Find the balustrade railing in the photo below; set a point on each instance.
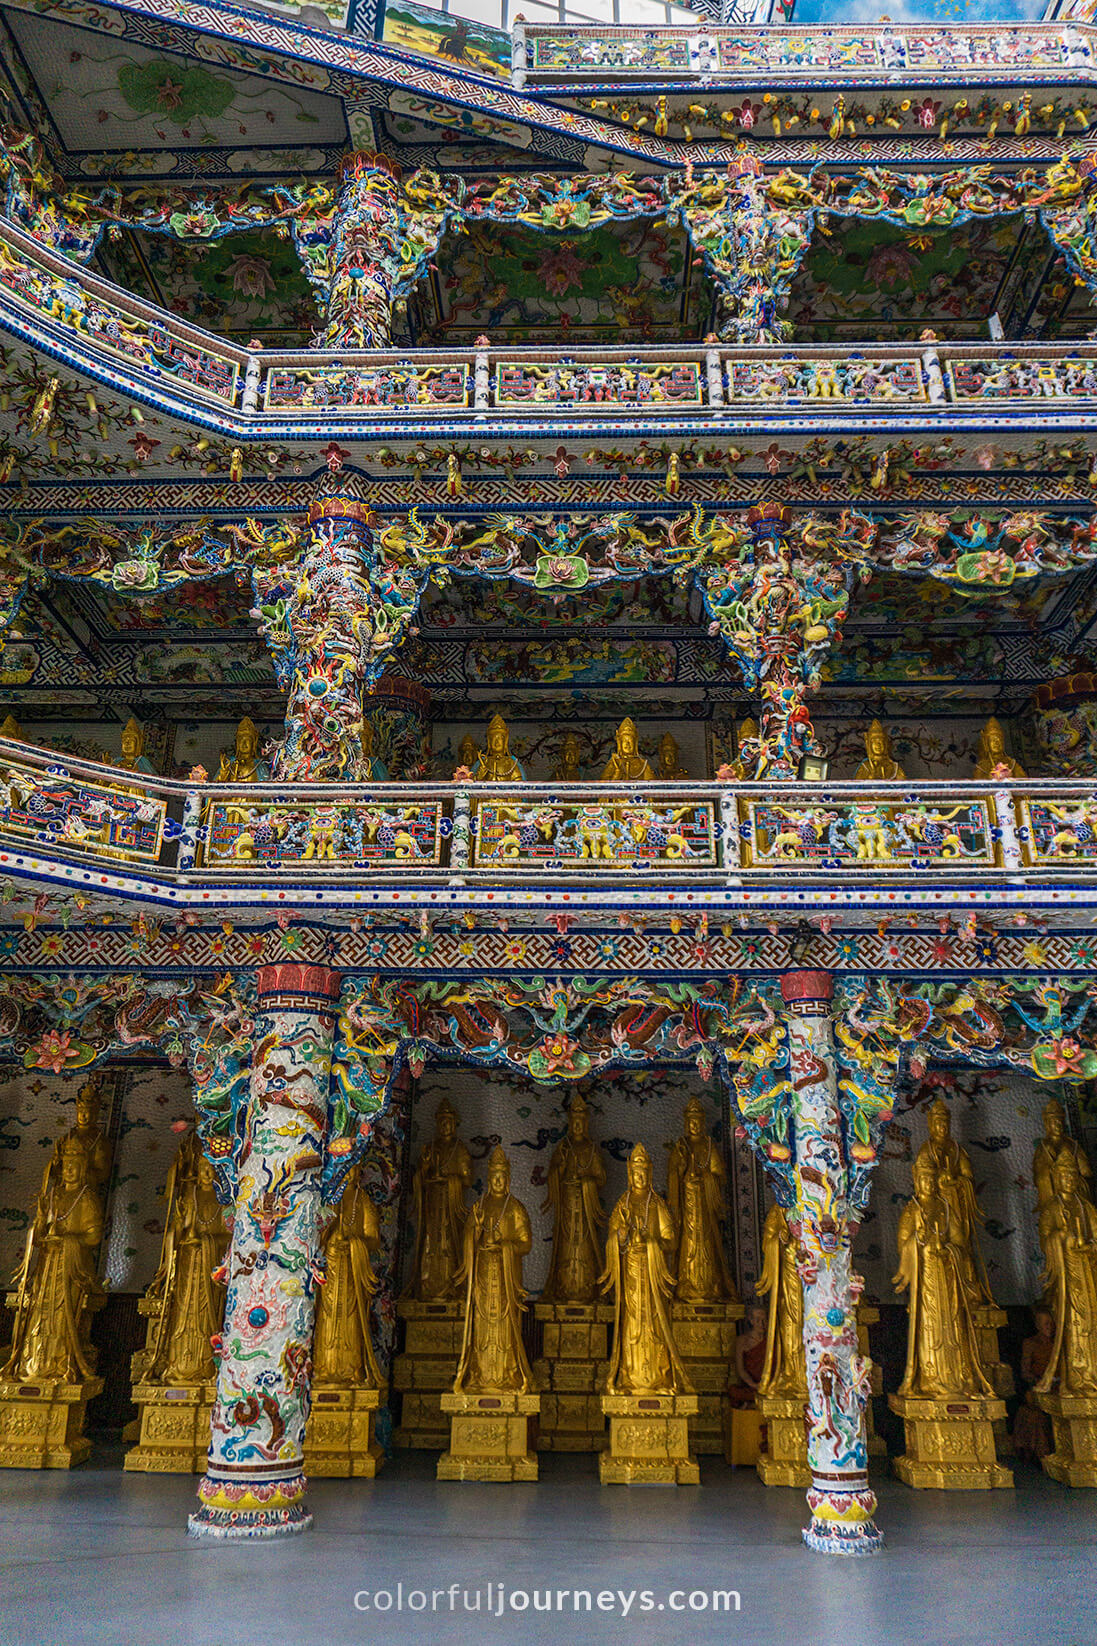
(82, 812)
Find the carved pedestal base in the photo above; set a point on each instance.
(339, 1437)
(426, 1370)
(489, 1437)
(174, 1428)
(949, 1443)
(868, 1315)
(784, 1461)
(705, 1336)
(648, 1441)
(570, 1374)
(42, 1424)
(1074, 1425)
(988, 1319)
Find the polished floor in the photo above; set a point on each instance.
(98, 1556)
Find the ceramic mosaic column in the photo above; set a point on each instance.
(254, 1485)
(365, 257)
(841, 1502)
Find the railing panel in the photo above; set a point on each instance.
(516, 834)
(405, 385)
(1057, 833)
(877, 832)
(53, 809)
(626, 384)
(348, 834)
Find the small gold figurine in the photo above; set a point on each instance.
(639, 1242)
(1054, 1146)
(568, 766)
(626, 764)
(469, 753)
(747, 751)
(879, 765)
(133, 757)
(342, 1345)
(496, 764)
(442, 1178)
(670, 769)
(244, 766)
(497, 1238)
(12, 730)
(696, 1177)
(576, 1178)
(992, 754)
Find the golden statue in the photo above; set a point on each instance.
(1054, 1146)
(469, 753)
(784, 1370)
(567, 768)
(342, 1345)
(374, 769)
(244, 767)
(496, 764)
(880, 765)
(626, 764)
(57, 1287)
(12, 730)
(696, 1176)
(90, 1135)
(576, 1178)
(133, 757)
(745, 764)
(954, 1182)
(992, 753)
(1068, 1235)
(442, 1176)
(669, 767)
(497, 1238)
(192, 1303)
(943, 1360)
(640, 1239)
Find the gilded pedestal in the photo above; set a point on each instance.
(42, 1424)
(173, 1428)
(1074, 1425)
(988, 1319)
(426, 1370)
(339, 1436)
(950, 1443)
(648, 1441)
(489, 1437)
(868, 1315)
(784, 1460)
(705, 1335)
(570, 1374)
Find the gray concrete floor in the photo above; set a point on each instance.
(99, 1556)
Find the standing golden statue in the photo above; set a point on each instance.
(346, 1380)
(954, 1182)
(496, 764)
(1067, 1391)
(670, 768)
(1053, 1147)
(568, 767)
(89, 1133)
(879, 764)
(493, 1396)
(244, 765)
(576, 1178)
(783, 1385)
(442, 1178)
(696, 1178)
(992, 754)
(946, 1398)
(133, 757)
(646, 1376)
(626, 764)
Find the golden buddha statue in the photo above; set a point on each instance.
(374, 769)
(497, 1238)
(879, 765)
(670, 769)
(133, 757)
(90, 1135)
(943, 1361)
(954, 1182)
(696, 1176)
(992, 754)
(469, 753)
(244, 767)
(442, 1177)
(745, 764)
(567, 767)
(192, 1303)
(1068, 1235)
(784, 1371)
(342, 1345)
(496, 764)
(576, 1178)
(1054, 1146)
(57, 1287)
(640, 1240)
(11, 729)
(626, 764)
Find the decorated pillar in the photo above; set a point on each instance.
(1065, 713)
(823, 1223)
(254, 1484)
(397, 712)
(365, 254)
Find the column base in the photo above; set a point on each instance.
(841, 1518)
(784, 1462)
(950, 1443)
(426, 1370)
(570, 1374)
(42, 1424)
(173, 1428)
(705, 1337)
(489, 1436)
(1074, 1425)
(339, 1438)
(648, 1441)
(235, 1510)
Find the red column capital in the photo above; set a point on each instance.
(802, 988)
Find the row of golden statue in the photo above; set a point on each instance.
(638, 1322)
